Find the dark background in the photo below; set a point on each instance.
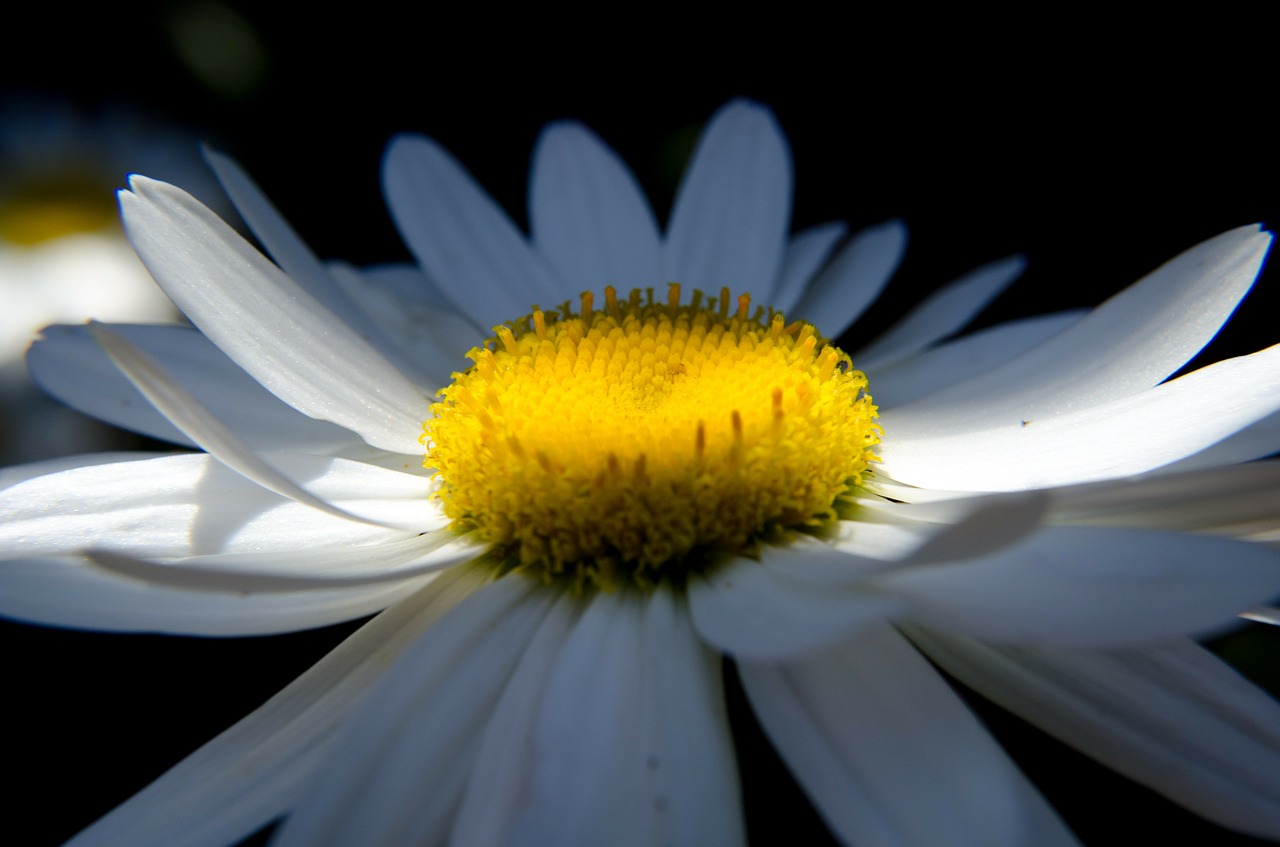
(1099, 148)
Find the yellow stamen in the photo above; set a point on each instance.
(636, 444)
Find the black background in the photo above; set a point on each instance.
(1099, 148)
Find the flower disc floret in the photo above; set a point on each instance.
(634, 443)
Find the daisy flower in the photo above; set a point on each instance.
(618, 488)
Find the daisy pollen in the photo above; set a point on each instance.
(634, 444)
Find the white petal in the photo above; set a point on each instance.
(266, 323)
(887, 752)
(978, 527)
(190, 504)
(498, 786)
(204, 428)
(942, 313)
(1084, 586)
(462, 239)
(748, 610)
(1122, 437)
(1128, 344)
(72, 593)
(316, 569)
(728, 226)
(257, 770)
(1192, 501)
(588, 216)
(1172, 717)
(853, 279)
(69, 364)
(432, 338)
(631, 743)
(397, 770)
(923, 374)
(284, 245)
(1261, 438)
(807, 251)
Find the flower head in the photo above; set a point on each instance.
(626, 484)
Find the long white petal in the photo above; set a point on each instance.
(461, 237)
(1128, 344)
(189, 504)
(746, 609)
(631, 743)
(853, 279)
(1170, 716)
(73, 593)
(887, 752)
(807, 251)
(205, 429)
(1208, 500)
(588, 216)
(1122, 437)
(956, 361)
(285, 246)
(431, 338)
(397, 770)
(942, 313)
(498, 785)
(266, 323)
(69, 364)
(729, 222)
(258, 769)
(1085, 586)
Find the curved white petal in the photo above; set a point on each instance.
(1210, 500)
(71, 592)
(284, 245)
(853, 279)
(1128, 344)
(258, 769)
(205, 429)
(462, 239)
(942, 313)
(1122, 437)
(69, 364)
(975, 527)
(1085, 586)
(1260, 438)
(190, 504)
(266, 323)
(1171, 716)
(748, 610)
(933, 370)
(430, 337)
(588, 216)
(728, 226)
(887, 752)
(316, 569)
(398, 768)
(807, 251)
(631, 743)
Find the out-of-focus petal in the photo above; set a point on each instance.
(729, 223)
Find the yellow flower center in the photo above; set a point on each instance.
(640, 442)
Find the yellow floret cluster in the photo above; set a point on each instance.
(634, 443)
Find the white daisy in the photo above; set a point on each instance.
(1046, 516)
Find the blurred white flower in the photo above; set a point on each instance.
(1048, 518)
(63, 254)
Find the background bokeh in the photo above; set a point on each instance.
(1097, 148)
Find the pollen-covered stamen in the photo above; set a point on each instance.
(631, 444)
